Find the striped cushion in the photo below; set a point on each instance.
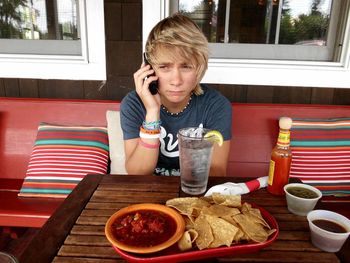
(321, 154)
(62, 156)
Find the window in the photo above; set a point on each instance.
(52, 39)
(270, 42)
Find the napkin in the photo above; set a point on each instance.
(239, 188)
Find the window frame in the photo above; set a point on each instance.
(263, 71)
(89, 65)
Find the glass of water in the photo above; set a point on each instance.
(195, 153)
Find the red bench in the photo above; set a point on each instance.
(19, 120)
(255, 128)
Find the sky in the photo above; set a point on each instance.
(304, 6)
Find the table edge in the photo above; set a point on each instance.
(45, 245)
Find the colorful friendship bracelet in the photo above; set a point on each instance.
(153, 125)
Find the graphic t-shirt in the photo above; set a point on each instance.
(210, 110)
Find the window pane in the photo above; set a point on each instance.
(39, 20)
(305, 22)
(261, 21)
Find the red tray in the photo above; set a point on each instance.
(173, 254)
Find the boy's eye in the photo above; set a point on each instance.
(187, 66)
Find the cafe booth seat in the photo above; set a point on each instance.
(254, 128)
(19, 122)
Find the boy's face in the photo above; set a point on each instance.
(177, 77)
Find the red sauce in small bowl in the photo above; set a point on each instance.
(143, 228)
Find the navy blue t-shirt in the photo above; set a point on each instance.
(210, 110)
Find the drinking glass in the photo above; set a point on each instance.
(195, 153)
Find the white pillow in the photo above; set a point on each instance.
(116, 143)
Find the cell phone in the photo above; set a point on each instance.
(153, 86)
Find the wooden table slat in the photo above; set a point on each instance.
(293, 235)
(88, 230)
(282, 257)
(139, 187)
(140, 197)
(108, 205)
(88, 251)
(87, 240)
(85, 260)
(91, 220)
(97, 213)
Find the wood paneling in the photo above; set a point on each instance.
(123, 27)
(61, 89)
(113, 21)
(119, 86)
(342, 96)
(95, 90)
(322, 96)
(11, 87)
(124, 57)
(132, 21)
(28, 88)
(2, 88)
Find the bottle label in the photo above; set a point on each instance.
(271, 172)
(283, 138)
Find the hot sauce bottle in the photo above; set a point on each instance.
(281, 157)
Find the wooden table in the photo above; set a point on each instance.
(75, 233)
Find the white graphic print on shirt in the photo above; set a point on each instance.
(168, 150)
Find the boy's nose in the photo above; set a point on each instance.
(176, 77)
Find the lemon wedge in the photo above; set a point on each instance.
(214, 136)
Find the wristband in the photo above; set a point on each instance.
(148, 145)
(149, 131)
(149, 136)
(153, 125)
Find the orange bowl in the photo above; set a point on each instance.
(131, 239)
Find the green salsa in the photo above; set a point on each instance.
(302, 192)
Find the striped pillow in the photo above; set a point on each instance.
(321, 154)
(62, 156)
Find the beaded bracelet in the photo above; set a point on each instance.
(148, 145)
(153, 125)
(149, 136)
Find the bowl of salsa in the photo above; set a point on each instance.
(301, 198)
(144, 228)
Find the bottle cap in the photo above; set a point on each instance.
(285, 123)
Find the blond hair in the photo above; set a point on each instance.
(180, 33)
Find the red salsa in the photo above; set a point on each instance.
(144, 228)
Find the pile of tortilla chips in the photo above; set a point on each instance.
(219, 220)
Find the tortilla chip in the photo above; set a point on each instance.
(223, 231)
(182, 204)
(254, 214)
(189, 236)
(205, 234)
(239, 236)
(189, 222)
(198, 206)
(255, 232)
(219, 220)
(189, 206)
(220, 211)
(228, 200)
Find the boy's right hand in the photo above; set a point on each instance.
(142, 79)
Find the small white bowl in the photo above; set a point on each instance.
(298, 205)
(326, 240)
